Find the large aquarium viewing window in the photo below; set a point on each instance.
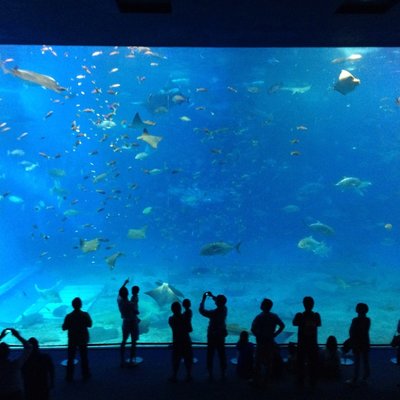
(248, 172)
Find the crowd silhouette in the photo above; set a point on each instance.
(31, 374)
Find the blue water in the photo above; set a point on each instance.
(239, 145)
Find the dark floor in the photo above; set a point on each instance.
(149, 380)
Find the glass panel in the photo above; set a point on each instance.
(248, 172)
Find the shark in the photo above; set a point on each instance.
(39, 79)
(51, 295)
(296, 90)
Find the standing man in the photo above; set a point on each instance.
(77, 323)
(308, 323)
(266, 327)
(216, 332)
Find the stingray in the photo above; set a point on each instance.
(51, 295)
(150, 139)
(284, 336)
(88, 246)
(164, 294)
(137, 122)
(346, 82)
(137, 233)
(39, 79)
(111, 260)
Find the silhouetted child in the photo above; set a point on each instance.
(330, 358)
(187, 313)
(38, 373)
(360, 344)
(181, 343)
(245, 359)
(135, 298)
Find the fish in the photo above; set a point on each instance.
(310, 244)
(60, 311)
(179, 99)
(141, 156)
(353, 183)
(150, 139)
(346, 82)
(39, 79)
(106, 124)
(291, 208)
(111, 260)
(321, 228)
(57, 172)
(137, 122)
(137, 233)
(71, 212)
(28, 165)
(16, 153)
(100, 177)
(219, 248)
(296, 90)
(164, 294)
(51, 295)
(15, 199)
(87, 246)
(352, 57)
(147, 210)
(274, 88)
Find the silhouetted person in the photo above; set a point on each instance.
(398, 347)
(330, 358)
(187, 313)
(135, 298)
(130, 321)
(245, 359)
(360, 344)
(38, 373)
(216, 332)
(265, 327)
(11, 384)
(77, 323)
(308, 323)
(181, 342)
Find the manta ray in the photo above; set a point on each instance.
(51, 295)
(346, 82)
(111, 260)
(137, 122)
(165, 294)
(150, 139)
(39, 79)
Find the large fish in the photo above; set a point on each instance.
(39, 79)
(346, 82)
(219, 248)
(351, 182)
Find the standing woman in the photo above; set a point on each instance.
(359, 337)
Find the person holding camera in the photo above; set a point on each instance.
(216, 332)
(11, 383)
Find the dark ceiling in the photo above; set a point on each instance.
(201, 22)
